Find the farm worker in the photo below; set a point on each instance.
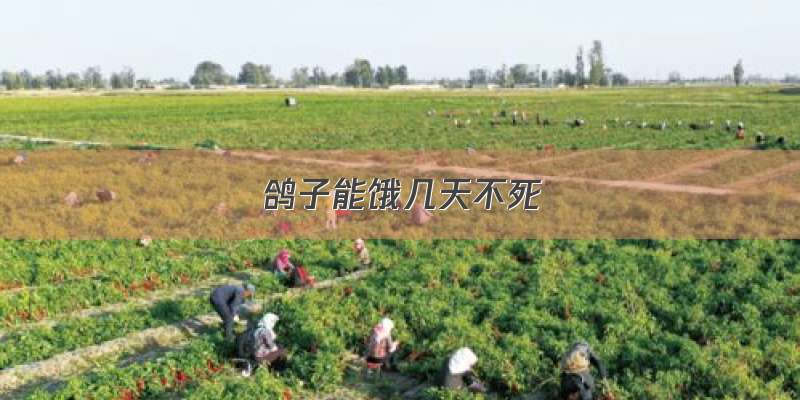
(226, 301)
(381, 349)
(265, 350)
(257, 345)
(576, 378)
(419, 215)
(360, 248)
(19, 159)
(740, 131)
(282, 265)
(330, 214)
(457, 372)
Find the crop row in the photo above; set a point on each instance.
(29, 344)
(684, 319)
(398, 121)
(64, 276)
(679, 319)
(200, 359)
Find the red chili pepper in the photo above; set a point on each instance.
(127, 394)
(180, 377)
(214, 368)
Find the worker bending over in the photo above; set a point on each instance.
(457, 372)
(226, 301)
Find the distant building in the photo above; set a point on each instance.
(417, 86)
(325, 87)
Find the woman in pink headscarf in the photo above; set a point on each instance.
(381, 349)
(282, 265)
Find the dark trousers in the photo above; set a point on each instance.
(388, 362)
(272, 356)
(580, 384)
(226, 314)
(275, 359)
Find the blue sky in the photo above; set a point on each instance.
(434, 38)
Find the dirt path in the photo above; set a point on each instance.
(652, 184)
(487, 172)
(22, 138)
(699, 167)
(376, 386)
(561, 157)
(754, 181)
(389, 385)
(78, 361)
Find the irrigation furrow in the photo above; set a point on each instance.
(50, 140)
(82, 360)
(154, 297)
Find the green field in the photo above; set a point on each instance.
(672, 319)
(385, 120)
(111, 319)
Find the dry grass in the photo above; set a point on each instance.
(178, 195)
(730, 171)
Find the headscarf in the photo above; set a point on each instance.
(359, 245)
(250, 288)
(462, 361)
(576, 362)
(577, 358)
(266, 325)
(383, 329)
(282, 261)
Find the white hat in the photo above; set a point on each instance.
(268, 321)
(462, 360)
(387, 324)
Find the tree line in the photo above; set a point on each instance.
(359, 74)
(590, 69)
(599, 73)
(90, 78)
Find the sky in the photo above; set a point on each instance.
(434, 38)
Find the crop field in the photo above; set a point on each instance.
(672, 319)
(380, 120)
(674, 256)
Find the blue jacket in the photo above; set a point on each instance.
(230, 295)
